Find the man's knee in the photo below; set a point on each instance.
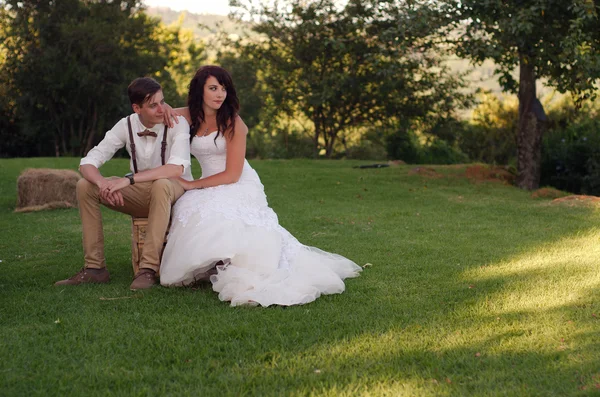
(161, 188)
(84, 186)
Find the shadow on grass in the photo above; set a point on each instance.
(463, 298)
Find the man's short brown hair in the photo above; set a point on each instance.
(142, 89)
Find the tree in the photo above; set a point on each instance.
(558, 40)
(345, 67)
(184, 54)
(69, 62)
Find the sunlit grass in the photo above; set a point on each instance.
(473, 289)
(550, 276)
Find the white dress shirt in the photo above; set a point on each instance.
(147, 148)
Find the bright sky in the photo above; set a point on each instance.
(220, 7)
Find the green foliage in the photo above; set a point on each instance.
(244, 70)
(283, 143)
(67, 65)
(571, 156)
(560, 38)
(366, 150)
(490, 136)
(184, 54)
(347, 67)
(442, 152)
(404, 145)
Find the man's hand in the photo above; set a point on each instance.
(115, 199)
(170, 115)
(114, 185)
(109, 191)
(102, 184)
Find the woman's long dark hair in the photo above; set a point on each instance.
(228, 111)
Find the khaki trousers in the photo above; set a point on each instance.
(152, 200)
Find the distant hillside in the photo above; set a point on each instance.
(203, 25)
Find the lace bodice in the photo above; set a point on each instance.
(212, 156)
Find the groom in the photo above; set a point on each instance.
(157, 153)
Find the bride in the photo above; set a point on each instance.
(224, 219)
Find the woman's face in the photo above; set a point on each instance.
(214, 94)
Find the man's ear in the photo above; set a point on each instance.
(136, 108)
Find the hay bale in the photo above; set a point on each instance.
(44, 188)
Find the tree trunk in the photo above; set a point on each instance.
(316, 139)
(530, 129)
(90, 134)
(56, 147)
(330, 143)
(317, 118)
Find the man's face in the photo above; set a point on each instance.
(152, 111)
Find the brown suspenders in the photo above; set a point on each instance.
(163, 146)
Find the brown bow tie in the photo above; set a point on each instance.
(147, 133)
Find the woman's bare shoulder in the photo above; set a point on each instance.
(240, 126)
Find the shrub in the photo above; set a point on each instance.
(571, 157)
(366, 150)
(490, 137)
(441, 152)
(403, 145)
(281, 145)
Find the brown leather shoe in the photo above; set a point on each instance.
(144, 279)
(203, 279)
(87, 276)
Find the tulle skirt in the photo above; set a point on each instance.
(260, 263)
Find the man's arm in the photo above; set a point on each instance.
(92, 174)
(114, 139)
(179, 158)
(162, 172)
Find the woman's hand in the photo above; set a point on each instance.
(170, 115)
(185, 184)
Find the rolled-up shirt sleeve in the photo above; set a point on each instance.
(180, 147)
(114, 140)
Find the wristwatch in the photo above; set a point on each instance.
(130, 177)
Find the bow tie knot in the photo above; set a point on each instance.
(147, 133)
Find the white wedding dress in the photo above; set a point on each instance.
(263, 263)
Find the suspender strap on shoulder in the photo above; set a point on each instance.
(163, 146)
(132, 145)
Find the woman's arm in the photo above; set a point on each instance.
(236, 154)
(171, 115)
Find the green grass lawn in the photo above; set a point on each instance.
(473, 289)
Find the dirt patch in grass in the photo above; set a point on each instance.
(482, 173)
(396, 163)
(548, 193)
(426, 172)
(577, 200)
